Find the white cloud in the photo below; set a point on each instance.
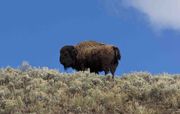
(162, 14)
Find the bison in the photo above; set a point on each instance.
(90, 54)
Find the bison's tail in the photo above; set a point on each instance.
(117, 53)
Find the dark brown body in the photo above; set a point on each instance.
(93, 55)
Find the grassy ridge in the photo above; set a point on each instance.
(45, 91)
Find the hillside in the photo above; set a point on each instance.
(29, 90)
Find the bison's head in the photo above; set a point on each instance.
(68, 56)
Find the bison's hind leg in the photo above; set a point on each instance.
(112, 70)
(106, 70)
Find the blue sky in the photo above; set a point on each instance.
(35, 30)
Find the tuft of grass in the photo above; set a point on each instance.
(30, 90)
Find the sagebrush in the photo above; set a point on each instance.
(47, 91)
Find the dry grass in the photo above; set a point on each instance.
(44, 91)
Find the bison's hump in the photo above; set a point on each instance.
(87, 44)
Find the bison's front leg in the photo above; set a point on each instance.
(106, 72)
(93, 71)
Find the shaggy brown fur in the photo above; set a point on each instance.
(100, 50)
(96, 56)
(87, 44)
(99, 58)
